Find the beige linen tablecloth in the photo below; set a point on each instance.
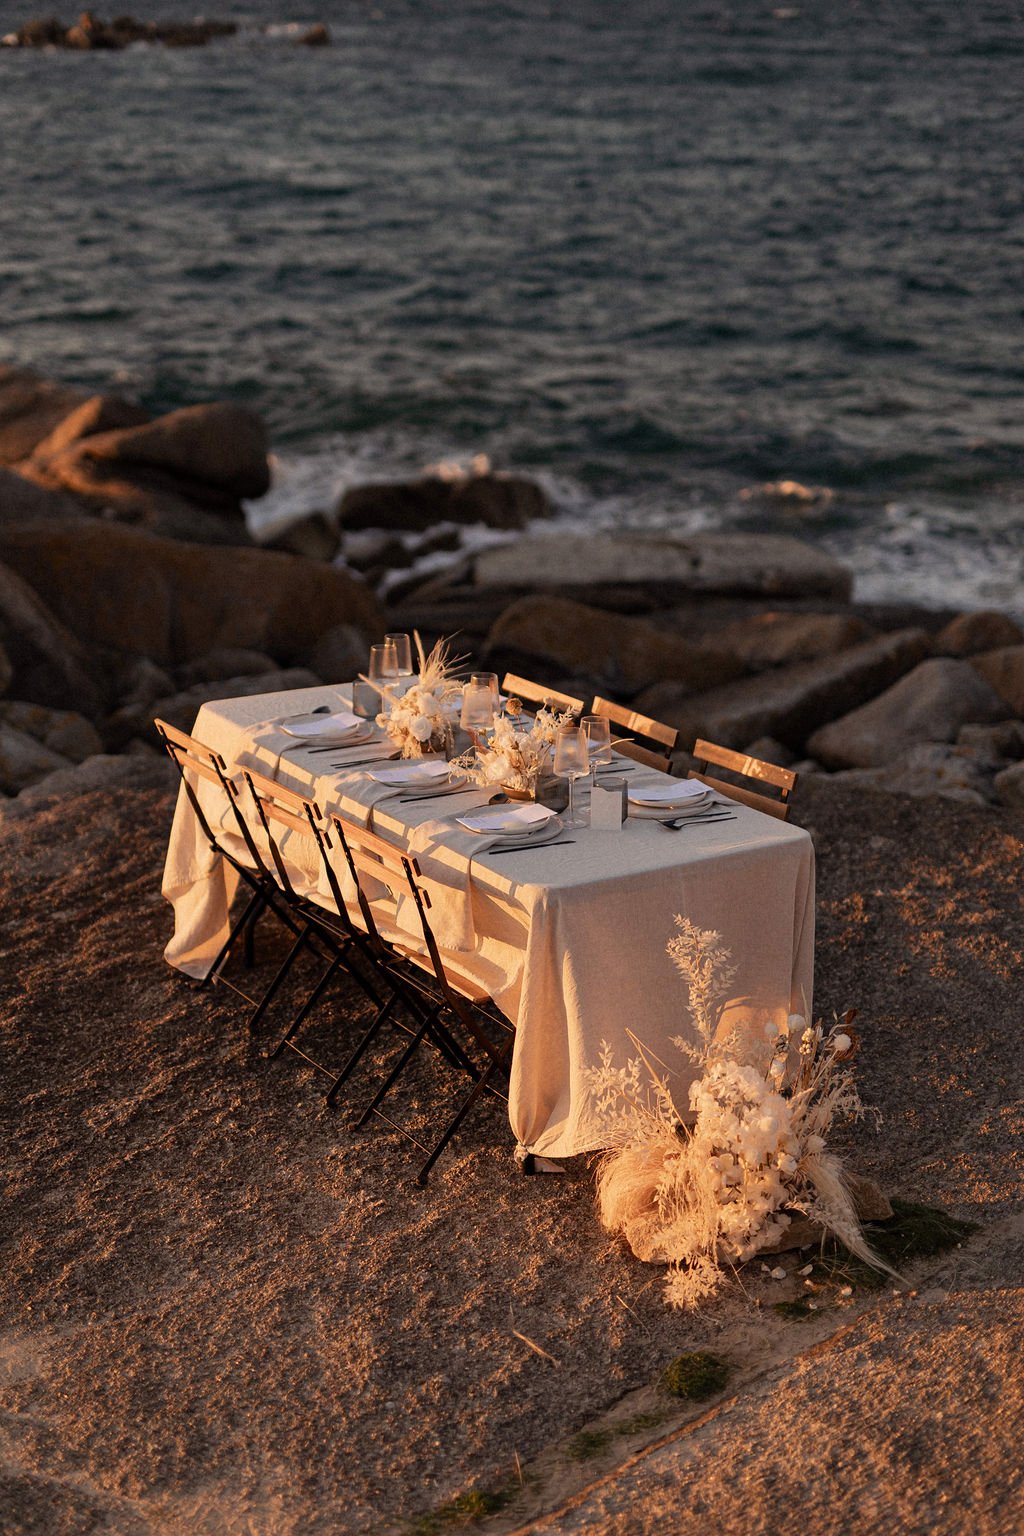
(568, 939)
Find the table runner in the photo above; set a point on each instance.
(569, 940)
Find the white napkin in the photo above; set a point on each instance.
(423, 772)
(322, 725)
(524, 818)
(681, 793)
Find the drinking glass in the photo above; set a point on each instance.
(477, 709)
(598, 732)
(403, 653)
(570, 762)
(383, 669)
(488, 680)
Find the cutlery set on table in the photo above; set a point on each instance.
(512, 828)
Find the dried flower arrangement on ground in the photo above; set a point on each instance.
(726, 1185)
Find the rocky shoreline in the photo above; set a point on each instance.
(130, 587)
(90, 33)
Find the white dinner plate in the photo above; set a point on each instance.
(341, 729)
(509, 820)
(423, 773)
(681, 795)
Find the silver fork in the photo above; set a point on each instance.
(696, 821)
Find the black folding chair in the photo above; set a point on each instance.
(328, 931)
(198, 764)
(449, 1010)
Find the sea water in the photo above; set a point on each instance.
(655, 253)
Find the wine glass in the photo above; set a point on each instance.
(570, 762)
(598, 732)
(403, 656)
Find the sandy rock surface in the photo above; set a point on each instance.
(221, 1309)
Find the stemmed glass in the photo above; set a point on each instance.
(570, 762)
(598, 732)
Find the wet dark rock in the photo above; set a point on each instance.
(498, 501)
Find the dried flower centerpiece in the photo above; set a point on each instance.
(419, 720)
(726, 1186)
(515, 752)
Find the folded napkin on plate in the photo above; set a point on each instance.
(681, 792)
(669, 801)
(421, 773)
(317, 727)
(525, 818)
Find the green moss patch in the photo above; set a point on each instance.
(798, 1310)
(466, 1509)
(591, 1442)
(912, 1232)
(695, 1376)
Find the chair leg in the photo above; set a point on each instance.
(306, 1008)
(249, 914)
(356, 1055)
(453, 1125)
(396, 1070)
(272, 990)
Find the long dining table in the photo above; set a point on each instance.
(569, 937)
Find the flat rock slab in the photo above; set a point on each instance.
(789, 702)
(747, 564)
(625, 653)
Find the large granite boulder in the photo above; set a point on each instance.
(971, 633)
(135, 593)
(651, 570)
(30, 408)
(787, 703)
(63, 731)
(931, 703)
(1003, 670)
(625, 654)
(219, 447)
(25, 501)
(497, 500)
(180, 709)
(100, 413)
(24, 760)
(770, 639)
(1009, 786)
(48, 664)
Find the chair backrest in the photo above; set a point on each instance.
(195, 761)
(277, 808)
(708, 754)
(653, 734)
(535, 695)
